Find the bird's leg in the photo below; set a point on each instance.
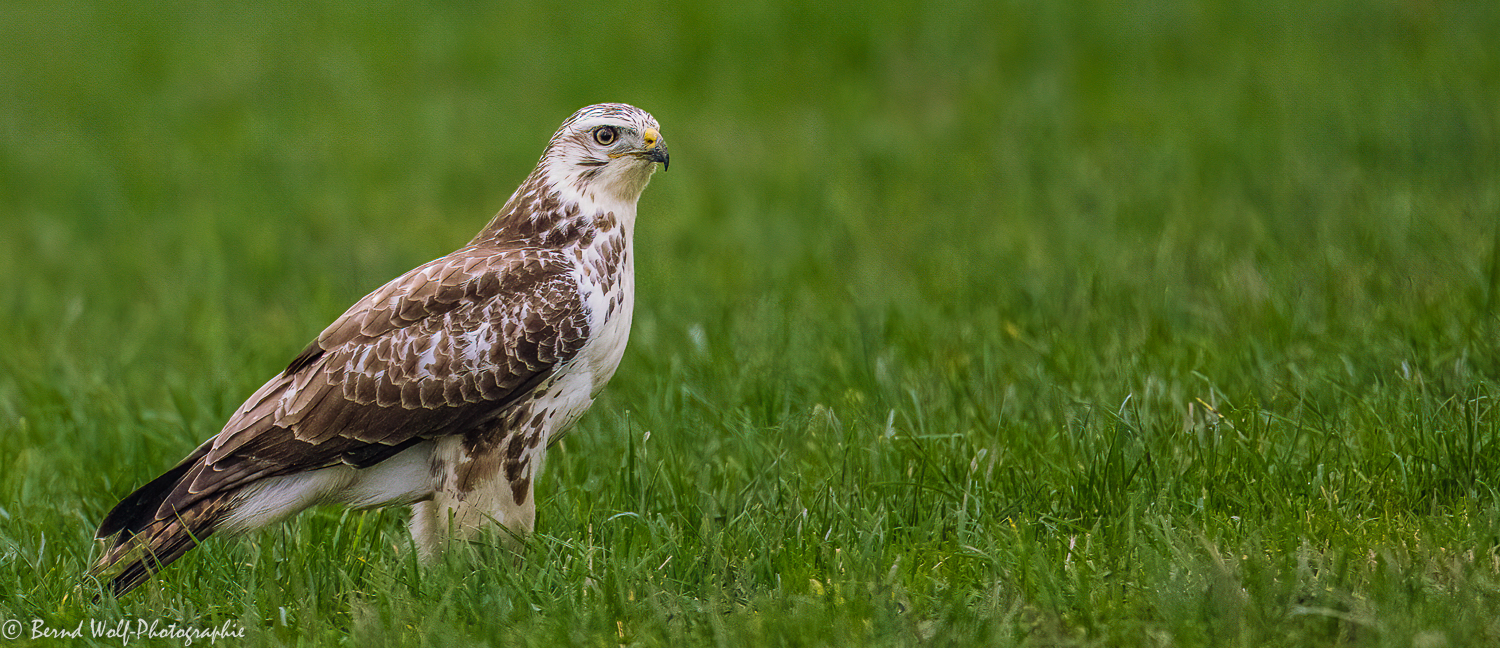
(453, 513)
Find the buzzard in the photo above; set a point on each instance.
(441, 389)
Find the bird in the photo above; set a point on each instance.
(443, 388)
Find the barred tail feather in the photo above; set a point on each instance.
(160, 542)
(145, 532)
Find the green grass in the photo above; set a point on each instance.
(999, 323)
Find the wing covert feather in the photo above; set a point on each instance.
(436, 351)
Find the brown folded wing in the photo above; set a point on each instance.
(440, 350)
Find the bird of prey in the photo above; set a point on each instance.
(440, 389)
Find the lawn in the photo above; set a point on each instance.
(994, 323)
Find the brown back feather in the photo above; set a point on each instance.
(362, 396)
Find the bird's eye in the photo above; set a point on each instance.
(605, 135)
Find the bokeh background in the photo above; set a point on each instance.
(994, 273)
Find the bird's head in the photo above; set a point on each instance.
(605, 153)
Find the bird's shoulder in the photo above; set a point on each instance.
(431, 352)
(477, 278)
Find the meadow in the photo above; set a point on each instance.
(958, 323)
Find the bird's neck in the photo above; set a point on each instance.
(540, 214)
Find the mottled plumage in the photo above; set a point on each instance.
(440, 389)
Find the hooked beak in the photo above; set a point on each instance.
(656, 148)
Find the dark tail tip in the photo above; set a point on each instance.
(139, 509)
(159, 544)
(149, 531)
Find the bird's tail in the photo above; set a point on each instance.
(158, 544)
(156, 525)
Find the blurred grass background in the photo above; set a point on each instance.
(1135, 323)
